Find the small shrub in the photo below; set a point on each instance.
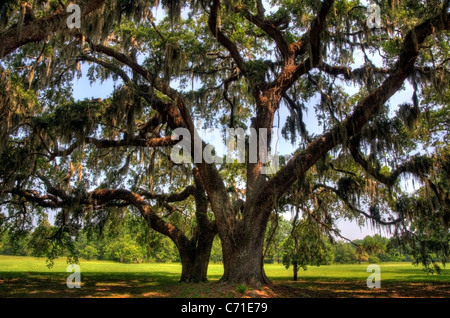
(241, 289)
(373, 259)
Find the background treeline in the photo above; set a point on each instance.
(129, 240)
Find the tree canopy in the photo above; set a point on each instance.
(231, 64)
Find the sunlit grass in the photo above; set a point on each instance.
(30, 277)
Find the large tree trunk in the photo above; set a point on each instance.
(195, 257)
(242, 250)
(195, 252)
(244, 263)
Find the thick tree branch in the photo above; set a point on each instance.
(137, 142)
(108, 143)
(313, 35)
(268, 100)
(316, 29)
(45, 201)
(154, 221)
(348, 73)
(156, 82)
(222, 38)
(201, 201)
(161, 85)
(292, 71)
(211, 178)
(342, 170)
(51, 189)
(353, 208)
(362, 113)
(173, 197)
(107, 65)
(268, 27)
(410, 166)
(39, 29)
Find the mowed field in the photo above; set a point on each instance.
(30, 277)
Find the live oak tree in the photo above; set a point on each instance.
(236, 64)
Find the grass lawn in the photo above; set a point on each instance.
(30, 277)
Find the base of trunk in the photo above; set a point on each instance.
(194, 267)
(246, 269)
(194, 261)
(193, 278)
(247, 279)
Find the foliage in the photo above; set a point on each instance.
(14, 244)
(124, 251)
(241, 289)
(278, 231)
(344, 253)
(71, 167)
(89, 252)
(216, 251)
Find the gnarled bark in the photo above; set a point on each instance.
(242, 241)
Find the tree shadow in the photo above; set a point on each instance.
(166, 284)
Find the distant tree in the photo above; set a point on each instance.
(344, 253)
(370, 248)
(126, 239)
(89, 252)
(216, 251)
(305, 246)
(375, 244)
(396, 253)
(15, 243)
(124, 250)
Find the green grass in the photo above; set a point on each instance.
(30, 277)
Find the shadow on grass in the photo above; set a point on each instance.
(111, 284)
(345, 287)
(164, 284)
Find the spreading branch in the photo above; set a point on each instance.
(348, 73)
(117, 70)
(267, 26)
(292, 71)
(173, 197)
(329, 228)
(178, 116)
(108, 143)
(410, 166)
